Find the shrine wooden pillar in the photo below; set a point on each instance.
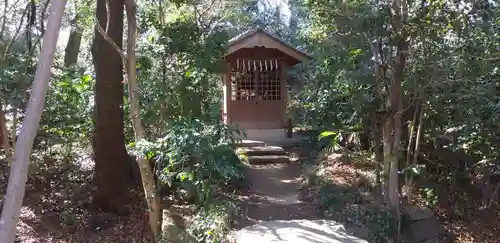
(226, 79)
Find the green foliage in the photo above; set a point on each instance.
(329, 141)
(451, 68)
(379, 219)
(16, 72)
(195, 156)
(429, 196)
(178, 70)
(212, 223)
(67, 115)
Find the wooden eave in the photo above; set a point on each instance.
(260, 38)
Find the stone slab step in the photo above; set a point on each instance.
(261, 150)
(250, 143)
(268, 159)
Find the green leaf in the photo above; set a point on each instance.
(327, 134)
(183, 176)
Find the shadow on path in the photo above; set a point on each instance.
(274, 193)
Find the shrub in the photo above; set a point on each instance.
(213, 222)
(379, 219)
(195, 157)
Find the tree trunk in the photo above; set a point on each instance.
(112, 169)
(14, 128)
(147, 174)
(13, 200)
(387, 147)
(5, 136)
(418, 141)
(396, 107)
(379, 157)
(409, 153)
(394, 167)
(74, 42)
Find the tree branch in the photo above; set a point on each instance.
(111, 42)
(14, 37)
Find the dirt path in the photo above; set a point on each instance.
(275, 193)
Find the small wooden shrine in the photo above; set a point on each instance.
(254, 84)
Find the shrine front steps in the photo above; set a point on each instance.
(256, 152)
(268, 159)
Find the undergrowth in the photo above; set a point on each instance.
(195, 158)
(347, 204)
(212, 223)
(196, 161)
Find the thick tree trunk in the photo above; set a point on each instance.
(13, 200)
(74, 42)
(112, 169)
(147, 174)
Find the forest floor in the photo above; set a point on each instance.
(57, 208)
(457, 209)
(57, 205)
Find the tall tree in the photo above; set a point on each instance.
(109, 142)
(74, 42)
(19, 170)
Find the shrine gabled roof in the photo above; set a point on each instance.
(261, 38)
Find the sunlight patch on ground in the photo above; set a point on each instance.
(284, 199)
(27, 213)
(291, 181)
(296, 231)
(26, 232)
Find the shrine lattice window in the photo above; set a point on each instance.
(270, 85)
(259, 81)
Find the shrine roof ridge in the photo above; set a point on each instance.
(247, 34)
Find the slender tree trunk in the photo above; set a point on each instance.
(396, 106)
(13, 200)
(394, 167)
(5, 136)
(111, 158)
(418, 141)
(147, 174)
(14, 128)
(409, 153)
(379, 157)
(382, 129)
(387, 142)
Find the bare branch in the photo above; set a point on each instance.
(14, 37)
(44, 10)
(111, 42)
(211, 4)
(4, 19)
(108, 16)
(215, 25)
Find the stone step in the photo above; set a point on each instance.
(268, 159)
(261, 150)
(250, 143)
